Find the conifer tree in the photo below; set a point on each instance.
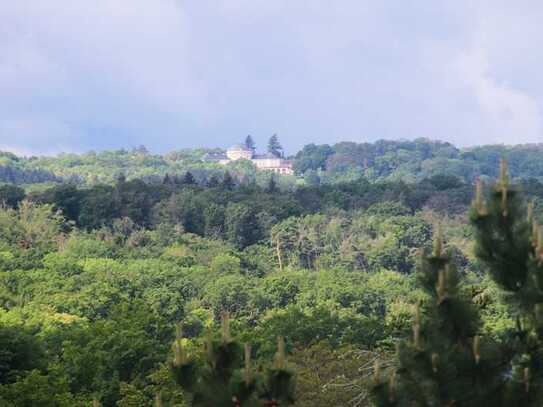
(509, 242)
(227, 377)
(274, 147)
(443, 363)
(446, 363)
(250, 143)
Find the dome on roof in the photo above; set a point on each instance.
(239, 147)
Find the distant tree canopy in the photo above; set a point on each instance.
(312, 157)
(415, 160)
(382, 160)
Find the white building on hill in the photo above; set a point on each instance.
(267, 162)
(238, 152)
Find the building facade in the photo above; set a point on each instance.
(270, 162)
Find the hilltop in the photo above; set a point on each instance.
(408, 161)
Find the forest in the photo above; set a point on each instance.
(384, 160)
(393, 274)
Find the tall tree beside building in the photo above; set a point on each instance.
(250, 143)
(274, 147)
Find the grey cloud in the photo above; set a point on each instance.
(76, 75)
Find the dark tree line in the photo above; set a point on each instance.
(242, 213)
(222, 207)
(14, 175)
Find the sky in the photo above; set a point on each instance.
(77, 75)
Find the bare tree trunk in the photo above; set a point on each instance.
(279, 258)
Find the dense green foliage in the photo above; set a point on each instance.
(93, 280)
(98, 308)
(95, 275)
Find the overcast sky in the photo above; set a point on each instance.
(79, 74)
